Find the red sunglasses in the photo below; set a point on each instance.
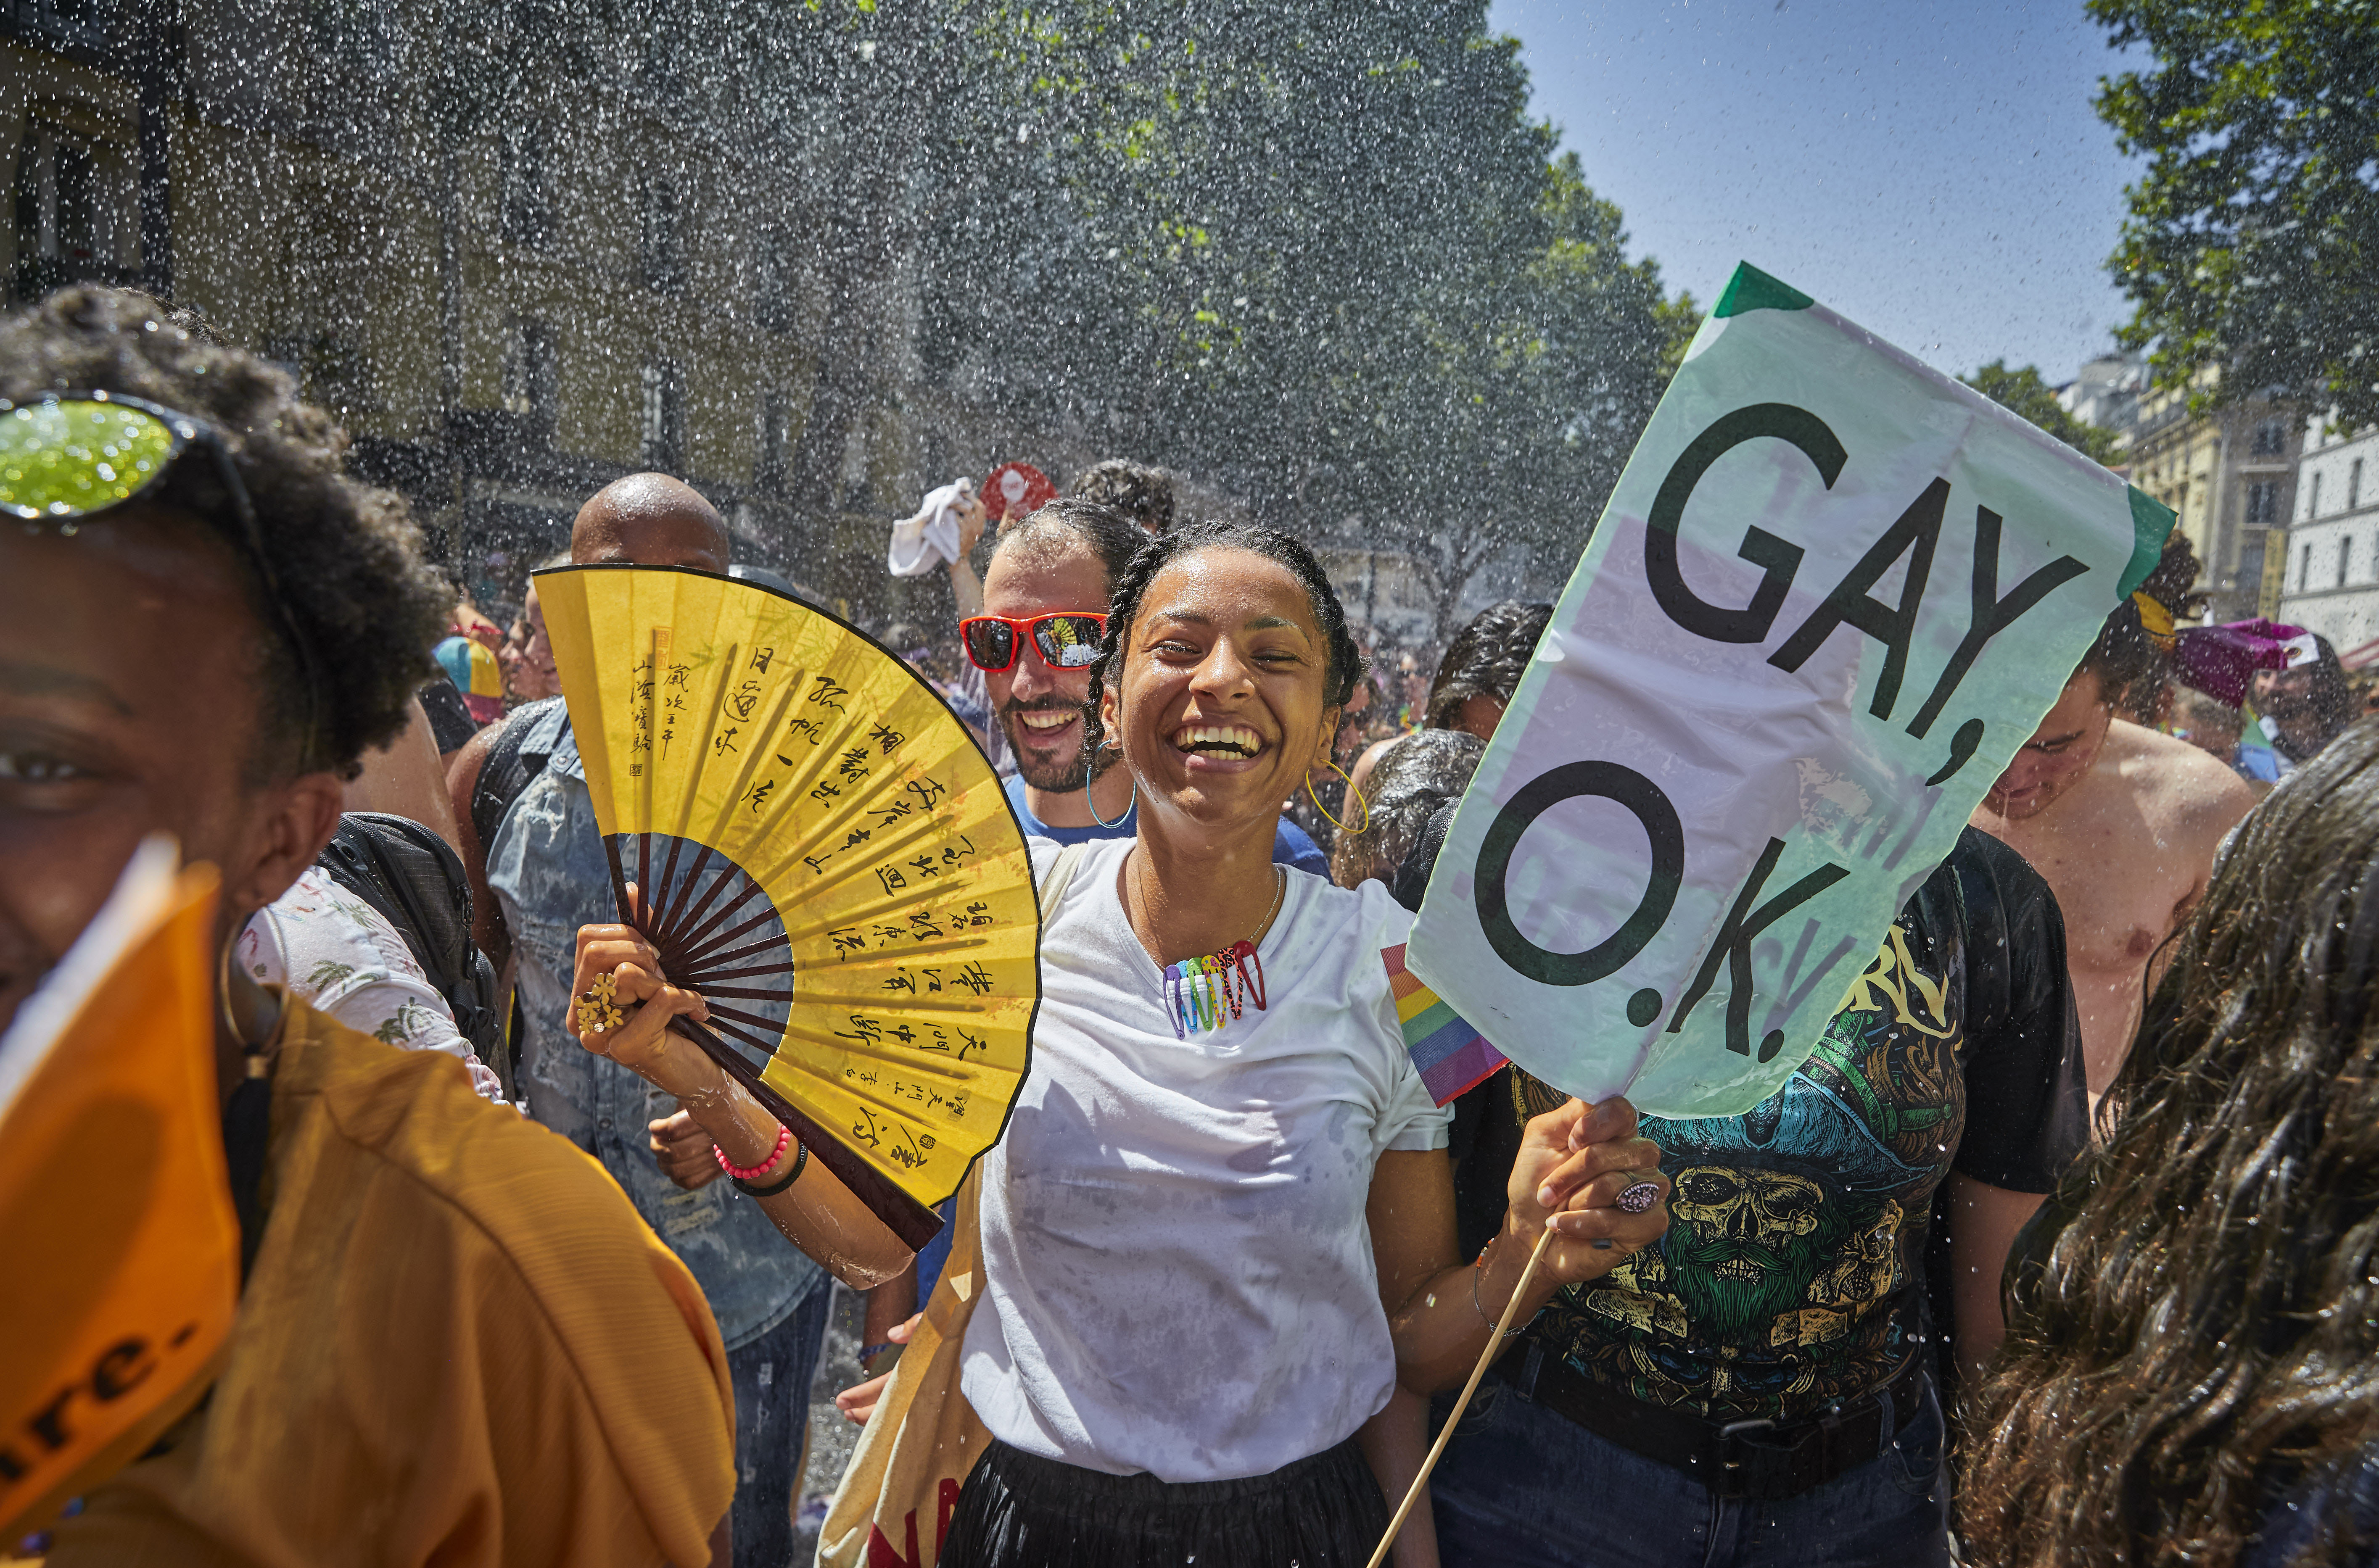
(1069, 638)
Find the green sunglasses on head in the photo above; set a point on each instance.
(78, 453)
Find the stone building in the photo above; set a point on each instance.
(520, 247)
(2106, 393)
(2332, 574)
(2231, 475)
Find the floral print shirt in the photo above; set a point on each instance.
(338, 955)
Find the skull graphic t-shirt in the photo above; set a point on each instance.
(1793, 1274)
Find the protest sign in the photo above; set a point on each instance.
(123, 1246)
(1833, 593)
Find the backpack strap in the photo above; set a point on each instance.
(416, 882)
(399, 867)
(511, 764)
(1061, 876)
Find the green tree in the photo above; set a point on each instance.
(2035, 399)
(2252, 239)
(1319, 256)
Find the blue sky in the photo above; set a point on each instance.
(1933, 171)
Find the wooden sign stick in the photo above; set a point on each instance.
(1495, 1342)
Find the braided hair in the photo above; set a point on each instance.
(1345, 662)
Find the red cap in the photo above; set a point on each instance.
(1015, 490)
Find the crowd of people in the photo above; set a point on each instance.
(2064, 1248)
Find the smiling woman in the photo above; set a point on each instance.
(1219, 1230)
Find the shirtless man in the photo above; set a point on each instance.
(2124, 824)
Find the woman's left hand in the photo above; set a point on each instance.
(1575, 1165)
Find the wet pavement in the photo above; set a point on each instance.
(832, 1439)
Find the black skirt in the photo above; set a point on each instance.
(1020, 1510)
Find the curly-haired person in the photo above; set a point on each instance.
(2188, 1375)
(1140, 492)
(1475, 679)
(455, 1341)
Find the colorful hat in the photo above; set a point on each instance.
(473, 669)
(2218, 660)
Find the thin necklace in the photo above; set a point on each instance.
(1198, 991)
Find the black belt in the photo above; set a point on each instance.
(1758, 1459)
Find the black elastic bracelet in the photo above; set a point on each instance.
(801, 1158)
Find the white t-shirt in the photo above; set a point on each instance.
(1177, 1272)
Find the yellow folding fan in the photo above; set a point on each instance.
(824, 854)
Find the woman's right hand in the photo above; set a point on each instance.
(642, 1003)
(1574, 1164)
(858, 1402)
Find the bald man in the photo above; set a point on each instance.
(540, 872)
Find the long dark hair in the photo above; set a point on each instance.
(1487, 658)
(2205, 1334)
(1346, 661)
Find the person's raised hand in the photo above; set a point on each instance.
(682, 1150)
(1584, 1170)
(622, 1004)
(971, 517)
(858, 1402)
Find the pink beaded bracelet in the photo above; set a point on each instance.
(752, 1173)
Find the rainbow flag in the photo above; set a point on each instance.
(1451, 1055)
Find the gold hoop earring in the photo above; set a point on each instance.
(253, 1051)
(1090, 778)
(1352, 794)
(222, 993)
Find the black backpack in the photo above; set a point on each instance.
(510, 767)
(415, 879)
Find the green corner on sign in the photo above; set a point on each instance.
(1751, 289)
(2151, 521)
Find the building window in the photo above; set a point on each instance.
(664, 424)
(2354, 484)
(524, 213)
(2312, 498)
(664, 262)
(768, 473)
(532, 375)
(2263, 503)
(71, 194)
(2271, 438)
(2345, 553)
(664, 36)
(2304, 570)
(77, 21)
(772, 302)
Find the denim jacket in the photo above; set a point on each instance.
(547, 867)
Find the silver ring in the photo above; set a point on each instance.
(1638, 1198)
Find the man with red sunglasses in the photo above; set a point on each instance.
(1040, 625)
